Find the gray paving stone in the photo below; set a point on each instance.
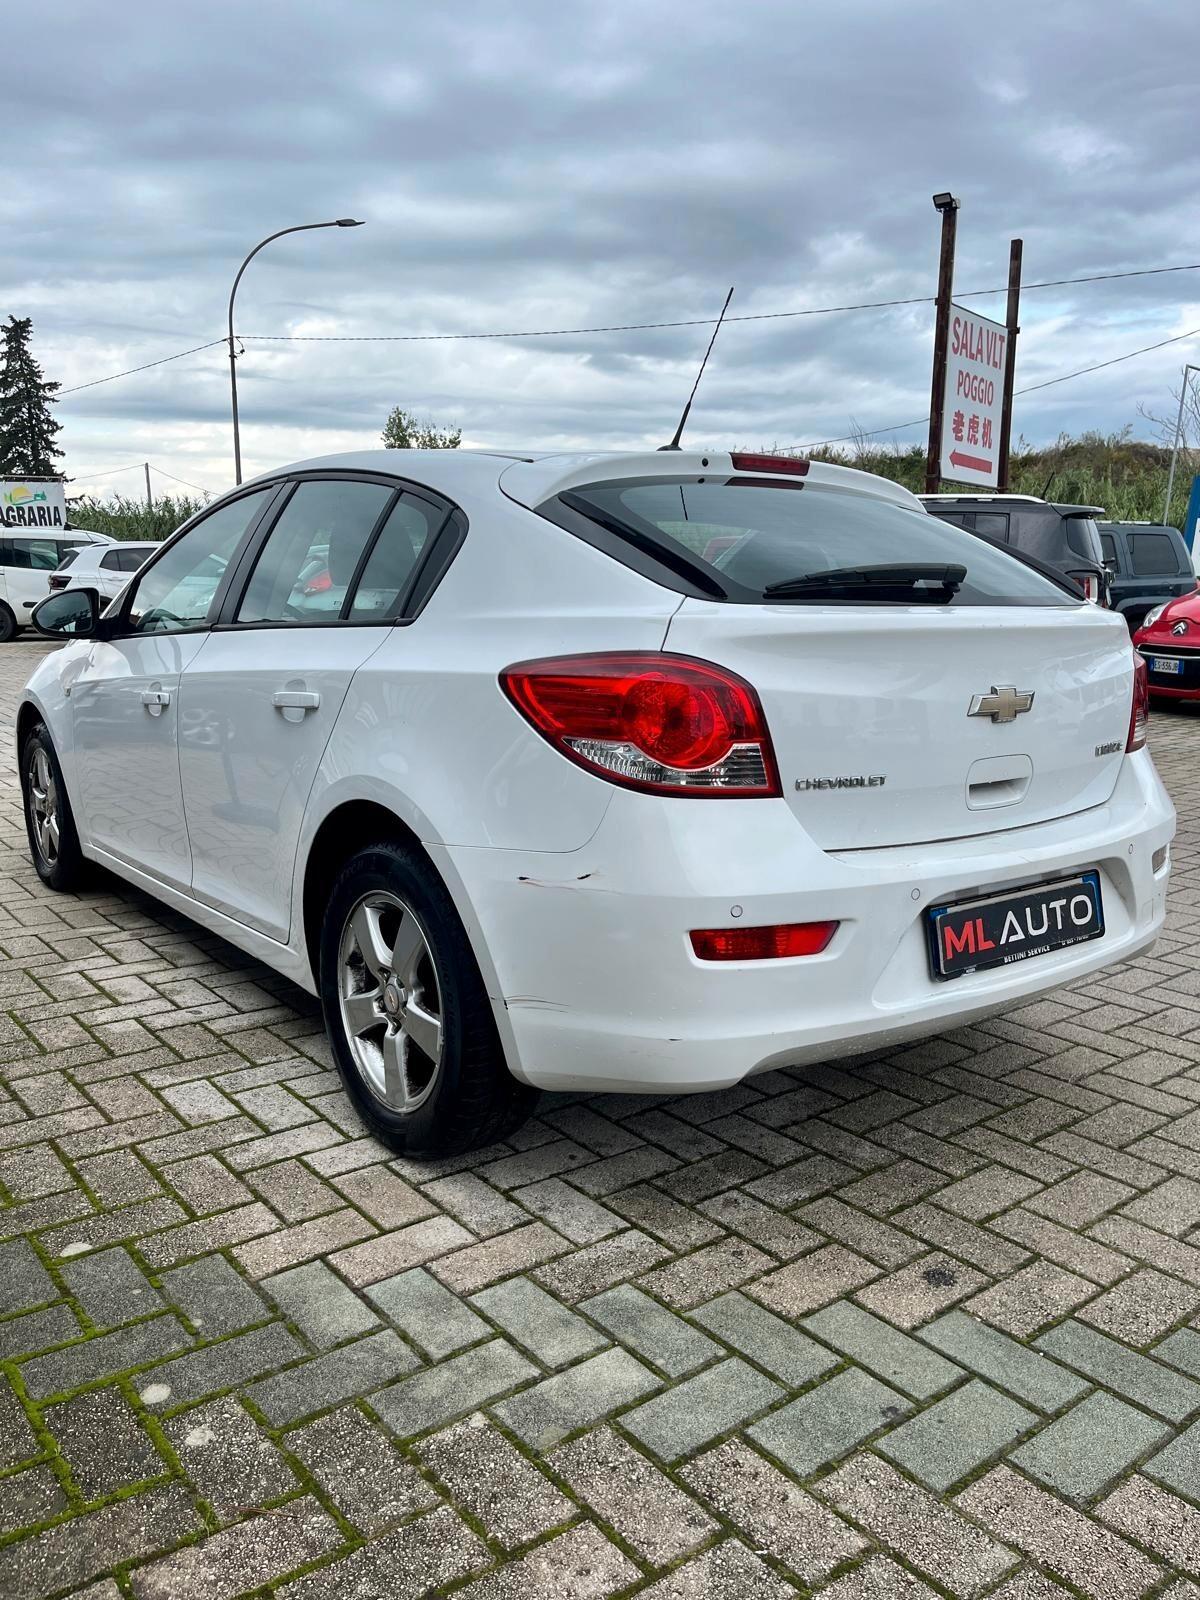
(1142, 1511)
(944, 1443)
(453, 1389)
(1068, 1544)
(883, 1350)
(581, 1395)
(228, 1458)
(813, 1281)
(1181, 1350)
(765, 1339)
(489, 1479)
(650, 1330)
(360, 1469)
(110, 1287)
(102, 1357)
(243, 1557)
(32, 1331)
(1178, 1466)
(729, 1572)
(1136, 1377)
(402, 1565)
(68, 1555)
(18, 1442)
(598, 1266)
(215, 1299)
(351, 1369)
(777, 1518)
(24, 1281)
(827, 1422)
(701, 1408)
(986, 1351)
(1029, 1299)
(1142, 1307)
(537, 1321)
(574, 1215)
(915, 1524)
(580, 1564)
(221, 1366)
(319, 1303)
(103, 1442)
(879, 1578)
(428, 1312)
(1086, 1449)
(632, 1496)
(30, 1497)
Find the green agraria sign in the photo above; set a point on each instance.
(29, 504)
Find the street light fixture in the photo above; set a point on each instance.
(303, 227)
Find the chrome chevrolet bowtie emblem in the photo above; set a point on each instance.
(1003, 704)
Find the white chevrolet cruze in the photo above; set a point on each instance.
(588, 772)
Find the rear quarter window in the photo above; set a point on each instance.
(1155, 555)
(1083, 538)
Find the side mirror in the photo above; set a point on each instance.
(1110, 564)
(71, 613)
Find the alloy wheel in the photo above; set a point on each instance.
(390, 1001)
(43, 807)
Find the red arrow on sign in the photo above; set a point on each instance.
(976, 463)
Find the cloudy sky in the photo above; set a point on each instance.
(546, 165)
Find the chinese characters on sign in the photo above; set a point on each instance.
(974, 395)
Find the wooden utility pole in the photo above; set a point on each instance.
(1011, 322)
(948, 206)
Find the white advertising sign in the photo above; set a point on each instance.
(26, 503)
(975, 356)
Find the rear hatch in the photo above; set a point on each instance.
(918, 683)
(868, 709)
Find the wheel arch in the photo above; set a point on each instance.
(28, 716)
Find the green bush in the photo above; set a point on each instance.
(123, 517)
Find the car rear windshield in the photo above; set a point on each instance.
(742, 535)
(1083, 536)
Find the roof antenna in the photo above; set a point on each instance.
(674, 444)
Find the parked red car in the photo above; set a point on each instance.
(1169, 643)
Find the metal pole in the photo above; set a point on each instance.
(948, 206)
(1011, 318)
(1175, 445)
(302, 227)
(149, 496)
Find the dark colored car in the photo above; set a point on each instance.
(1148, 565)
(1060, 536)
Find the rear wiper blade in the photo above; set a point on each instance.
(931, 580)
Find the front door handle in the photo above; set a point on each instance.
(155, 699)
(296, 699)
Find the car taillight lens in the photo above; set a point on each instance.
(796, 465)
(650, 721)
(1090, 584)
(1140, 712)
(762, 944)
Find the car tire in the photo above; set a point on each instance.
(49, 822)
(407, 1012)
(8, 624)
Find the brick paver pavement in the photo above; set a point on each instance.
(925, 1323)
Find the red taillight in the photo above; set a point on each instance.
(1140, 712)
(750, 463)
(762, 944)
(650, 721)
(1090, 584)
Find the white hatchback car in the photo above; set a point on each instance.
(589, 772)
(105, 568)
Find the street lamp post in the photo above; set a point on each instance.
(303, 227)
(1175, 445)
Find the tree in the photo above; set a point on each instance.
(403, 430)
(27, 430)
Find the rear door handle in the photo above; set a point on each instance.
(296, 699)
(155, 699)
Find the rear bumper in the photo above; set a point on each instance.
(595, 986)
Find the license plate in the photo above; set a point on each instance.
(1166, 664)
(1016, 926)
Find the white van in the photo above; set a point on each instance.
(26, 562)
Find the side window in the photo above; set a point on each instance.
(992, 523)
(6, 553)
(399, 547)
(112, 560)
(1108, 543)
(304, 571)
(131, 560)
(38, 555)
(177, 591)
(1154, 555)
(960, 519)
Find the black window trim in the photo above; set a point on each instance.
(121, 628)
(431, 566)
